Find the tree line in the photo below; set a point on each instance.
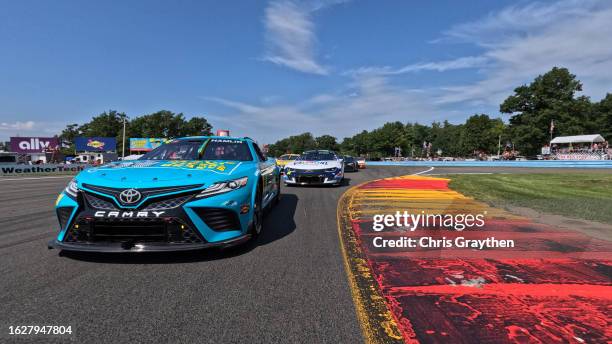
(164, 124)
(551, 97)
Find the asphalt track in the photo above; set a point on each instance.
(290, 286)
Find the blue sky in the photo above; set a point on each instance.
(274, 68)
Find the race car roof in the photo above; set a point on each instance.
(320, 151)
(215, 137)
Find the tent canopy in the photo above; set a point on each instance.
(578, 139)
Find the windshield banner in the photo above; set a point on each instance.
(146, 144)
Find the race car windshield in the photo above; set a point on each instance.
(188, 150)
(178, 150)
(227, 150)
(349, 159)
(317, 156)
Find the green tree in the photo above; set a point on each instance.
(326, 142)
(603, 117)
(197, 126)
(550, 97)
(481, 133)
(106, 124)
(293, 144)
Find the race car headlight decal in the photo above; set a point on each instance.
(72, 189)
(334, 170)
(223, 187)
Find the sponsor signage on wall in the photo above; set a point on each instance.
(11, 169)
(33, 144)
(95, 144)
(146, 144)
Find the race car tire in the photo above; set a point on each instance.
(277, 198)
(257, 225)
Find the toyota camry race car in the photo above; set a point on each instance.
(190, 193)
(320, 167)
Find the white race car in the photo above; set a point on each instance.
(316, 167)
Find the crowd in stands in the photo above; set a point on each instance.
(582, 148)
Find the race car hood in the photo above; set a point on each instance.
(314, 165)
(156, 173)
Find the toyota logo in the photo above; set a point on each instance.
(129, 196)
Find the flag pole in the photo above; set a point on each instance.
(123, 143)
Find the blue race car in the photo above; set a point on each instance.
(190, 193)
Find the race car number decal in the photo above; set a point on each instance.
(220, 166)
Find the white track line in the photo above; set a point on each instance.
(29, 178)
(430, 169)
(443, 174)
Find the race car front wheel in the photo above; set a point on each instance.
(257, 225)
(276, 200)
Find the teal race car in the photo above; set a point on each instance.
(190, 193)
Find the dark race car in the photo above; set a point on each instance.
(350, 164)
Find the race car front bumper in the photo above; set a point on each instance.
(179, 222)
(312, 178)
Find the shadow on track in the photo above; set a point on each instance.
(278, 223)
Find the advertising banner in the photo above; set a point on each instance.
(146, 144)
(14, 169)
(95, 144)
(33, 144)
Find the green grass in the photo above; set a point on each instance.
(585, 195)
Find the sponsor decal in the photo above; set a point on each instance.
(226, 141)
(220, 166)
(39, 169)
(127, 214)
(311, 163)
(33, 144)
(95, 144)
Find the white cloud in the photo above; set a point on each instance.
(517, 20)
(290, 35)
(14, 126)
(439, 66)
(30, 128)
(366, 103)
(572, 35)
(515, 45)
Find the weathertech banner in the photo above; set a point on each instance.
(16, 169)
(33, 144)
(95, 144)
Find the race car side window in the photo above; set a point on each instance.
(261, 156)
